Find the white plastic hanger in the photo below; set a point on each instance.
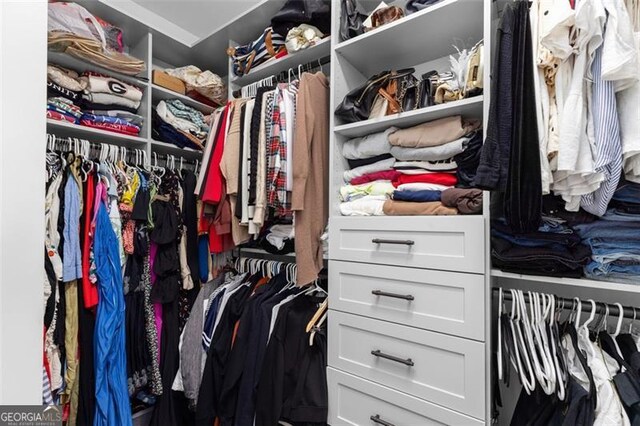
(499, 354)
(528, 383)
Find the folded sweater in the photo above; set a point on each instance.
(407, 208)
(353, 192)
(467, 201)
(417, 196)
(368, 146)
(448, 179)
(434, 133)
(371, 205)
(375, 167)
(371, 177)
(421, 187)
(432, 153)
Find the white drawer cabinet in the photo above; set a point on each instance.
(446, 302)
(433, 242)
(442, 369)
(356, 401)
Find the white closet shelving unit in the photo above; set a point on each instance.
(140, 41)
(408, 328)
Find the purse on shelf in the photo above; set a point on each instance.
(358, 103)
(296, 12)
(475, 72)
(386, 15)
(267, 46)
(417, 5)
(351, 20)
(395, 92)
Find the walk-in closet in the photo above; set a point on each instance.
(320, 212)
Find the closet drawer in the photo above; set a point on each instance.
(433, 242)
(447, 302)
(353, 401)
(442, 369)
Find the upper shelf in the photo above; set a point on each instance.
(557, 284)
(161, 94)
(167, 148)
(76, 64)
(292, 60)
(471, 107)
(418, 38)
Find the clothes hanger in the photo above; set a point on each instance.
(539, 363)
(554, 344)
(524, 368)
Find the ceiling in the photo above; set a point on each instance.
(187, 21)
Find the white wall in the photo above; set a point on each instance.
(23, 59)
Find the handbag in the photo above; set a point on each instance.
(395, 91)
(296, 12)
(386, 15)
(356, 106)
(244, 58)
(417, 5)
(475, 71)
(351, 20)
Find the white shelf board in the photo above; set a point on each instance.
(418, 38)
(582, 283)
(292, 60)
(76, 64)
(471, 107)
(263, 252)
(160, 93)
(167, 148)
(64, 129)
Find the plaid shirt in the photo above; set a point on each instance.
(277, 197)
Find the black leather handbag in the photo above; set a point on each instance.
(417, 5)
(356, 106)
(351, 20)
(296, 12)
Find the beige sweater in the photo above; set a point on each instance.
(310, 195)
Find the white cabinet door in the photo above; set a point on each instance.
(356, 401)
(446, 302)
(442, 369)
(433, 242)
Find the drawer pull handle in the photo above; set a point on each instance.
(393, 358)
(378, 420)
(399, 242)
(394, 295)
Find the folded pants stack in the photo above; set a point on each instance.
(554, 249)
(180, 125)
(614, 245)
(414, 171)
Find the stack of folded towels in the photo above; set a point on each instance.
(179, 124)
(93, 100)
(427, 169)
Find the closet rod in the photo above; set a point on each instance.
(129, 151)
(567, 303)
(283, 76)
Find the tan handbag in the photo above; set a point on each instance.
(475, 71)
(386, 15)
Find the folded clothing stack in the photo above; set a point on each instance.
(615, 250)
(555, 249)
(179, 124)
(104, 93)
(93, 100)
(64, 94)
(395, 171)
